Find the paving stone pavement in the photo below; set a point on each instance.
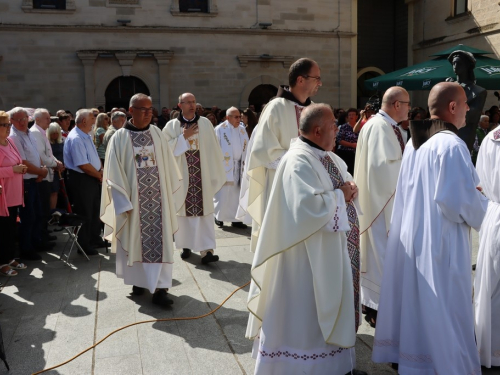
(51, 312)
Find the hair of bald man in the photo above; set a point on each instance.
(181, 95)
(312, 117)
(440, 97)
(393, 94)
(232, 109)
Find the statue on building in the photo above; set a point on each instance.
(463, 65)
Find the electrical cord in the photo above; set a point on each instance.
(142, 322)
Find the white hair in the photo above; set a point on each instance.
(117, 114)
(134, 99)
(82, 114)
(39, 112)
(54, 128)
(16, 110)
(484, 116)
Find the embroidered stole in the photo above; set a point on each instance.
(399, 136)
(194, 197)
(149, 191)
(352, 235)
(298, 111)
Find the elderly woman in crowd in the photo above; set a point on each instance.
(54, 135)
(102, 123)
(250, 120)
(210, 115)
(347, 140)
(11, 197)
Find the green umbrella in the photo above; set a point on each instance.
(425, 75)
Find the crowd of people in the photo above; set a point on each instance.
(351, 214)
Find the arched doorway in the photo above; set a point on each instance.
(121, 89)
(365, 74)
(261, 95)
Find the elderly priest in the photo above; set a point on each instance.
(301, 299)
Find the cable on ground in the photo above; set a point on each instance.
(142, 322)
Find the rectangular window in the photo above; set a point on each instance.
(460, 7)
(49, 4)
(193, 6)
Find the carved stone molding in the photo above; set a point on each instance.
(163, 58)
(123, 3)
(27, 7)
(265, 60)
(126, 60)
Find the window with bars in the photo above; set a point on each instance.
(460, 7)
(49, 4)
(200, 6)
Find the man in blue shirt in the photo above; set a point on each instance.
(84, 180)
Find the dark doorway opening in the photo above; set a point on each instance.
(261, 95)
(121, 89)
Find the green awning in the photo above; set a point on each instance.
(425, 75)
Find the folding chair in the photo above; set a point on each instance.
(71, 223)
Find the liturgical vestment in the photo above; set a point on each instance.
(301, 296)
(141, 193)
(233, 142)
(200, 160)
(278, 125)
(487, 278)
(425, 318)
(377, 164)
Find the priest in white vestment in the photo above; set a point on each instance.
(199, 157)
(425, 317)
(487, 278)
(141, 193)
(278, 125)
(301, 297)
(378, 158)
(233, 139)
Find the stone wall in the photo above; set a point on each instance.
(40, 65)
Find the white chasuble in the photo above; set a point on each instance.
(141, 195)
(425, 318)
(301, 298)
(200, 160)
(377, 164)
(278, 125)
(234, 143)
(487, 278)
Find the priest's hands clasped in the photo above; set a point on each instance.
(189, 132)
(350, 191)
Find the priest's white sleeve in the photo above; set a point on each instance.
(339, 221)
(120, 202)
(181, 146)
(275, 163)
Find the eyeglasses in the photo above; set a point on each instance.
(402, 102)
(20, 119)
(318, 78)
(235, 116)
(144, 109)
(8, 125)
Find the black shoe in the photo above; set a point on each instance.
(356, 372)
(160, 298)
(99, 244)
(31, 256)
(220, 224)
(238, 224)
(137, 290)
(209, 258)
(473, 267)
(186, 253)
(395, 366)
(89, 252)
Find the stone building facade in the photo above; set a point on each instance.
(437, 25)
(67, 53)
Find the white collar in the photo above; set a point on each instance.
(387, 117)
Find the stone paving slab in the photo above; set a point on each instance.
(51, 312)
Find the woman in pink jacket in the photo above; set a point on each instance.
(11, 197)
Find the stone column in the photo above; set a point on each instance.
(88, 60)
(163, 58)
